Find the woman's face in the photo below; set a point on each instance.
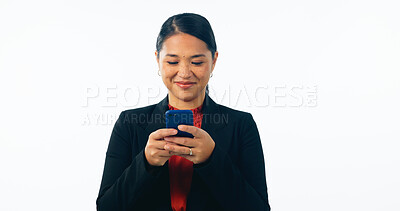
(185, 64)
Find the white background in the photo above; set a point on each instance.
(340, 153)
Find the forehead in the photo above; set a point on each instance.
(184, 45)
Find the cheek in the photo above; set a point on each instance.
(168, 73)
(203, 73)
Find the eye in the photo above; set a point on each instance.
(197, 63)
(172, 62)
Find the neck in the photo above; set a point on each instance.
(185, 105)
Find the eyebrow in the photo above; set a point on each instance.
(194, 56)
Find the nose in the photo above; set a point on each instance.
(184, 70)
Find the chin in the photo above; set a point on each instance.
(185, 95)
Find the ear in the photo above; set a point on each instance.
(157, 59)
(214, 61)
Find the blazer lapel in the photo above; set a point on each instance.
(157, 118)
(213, 119)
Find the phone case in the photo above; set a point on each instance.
(179, 117)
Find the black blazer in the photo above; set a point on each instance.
(233, 178)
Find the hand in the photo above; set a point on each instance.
(202, 144)
(155, 153)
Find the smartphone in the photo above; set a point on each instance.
(179, 117)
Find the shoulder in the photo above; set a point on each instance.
(235, 115)
(240, 122)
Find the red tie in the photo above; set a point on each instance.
(181, 171)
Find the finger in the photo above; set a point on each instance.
(195, 131)
(159, 150)
(177, 149)
(159, 144)
(166, 153)
(188, 142)
(161, 133)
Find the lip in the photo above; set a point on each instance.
(185, 84)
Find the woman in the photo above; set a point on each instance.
(221, 168)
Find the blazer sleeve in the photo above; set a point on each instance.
(242, 186)
(125, 176)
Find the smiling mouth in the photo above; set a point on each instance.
(185, 85)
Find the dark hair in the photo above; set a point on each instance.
(189, 23)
